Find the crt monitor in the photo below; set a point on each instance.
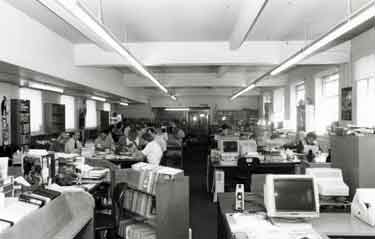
(229, 146)
(291, 196)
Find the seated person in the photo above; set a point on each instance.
(152, 152)
(59, 144)
(158, 137)
(129, 142)
(73, 145)
(104, 141)
(309, 145)
(117, 131)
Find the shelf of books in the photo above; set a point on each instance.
(54, 118)
(20, 122)
(158, 198)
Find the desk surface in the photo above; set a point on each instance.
(330, 224)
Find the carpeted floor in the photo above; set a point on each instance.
(203, 212)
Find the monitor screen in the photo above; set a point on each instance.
(230, 146)
(294, 195)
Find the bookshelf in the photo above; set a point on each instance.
(20, 122)
(168, 213)
(104, 120)
(54, 118)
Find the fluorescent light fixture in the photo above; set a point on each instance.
(124, 103)
(73, 12)
(177, 109)
(355, 20)
(98, 98)
(46, 87)
(173, 97)
(242, 91)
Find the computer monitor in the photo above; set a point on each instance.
(247, 147)
(229, 147)
(291, 196)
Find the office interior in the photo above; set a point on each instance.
(187, 119)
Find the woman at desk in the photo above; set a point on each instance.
(308, 146)
(152, 152)
(130, 141)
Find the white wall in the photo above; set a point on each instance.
(27, 43)
(218, 102)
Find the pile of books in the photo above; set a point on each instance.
(140, 231)
(149, 175)
(140, 203)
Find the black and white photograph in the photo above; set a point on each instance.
(175, 119)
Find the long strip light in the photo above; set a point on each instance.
(74, 11)
(124, 103)
(356, 19)
(98, 98)
(177, 109)
(250, 87)
(40, 86)
(359, 17)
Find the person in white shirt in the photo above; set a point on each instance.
(152, 152)
(158, 137)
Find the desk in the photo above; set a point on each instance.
(121, 160)
(265, 167)
(334, 225)
(67, 216)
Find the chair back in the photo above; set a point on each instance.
(243, 166)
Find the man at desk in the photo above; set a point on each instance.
(73, 145)
(104, 141)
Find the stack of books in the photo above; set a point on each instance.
(149, 175)
(140, 231)
(140, 203)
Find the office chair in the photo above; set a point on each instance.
(244, 174)
(245, 170)
(110, 222)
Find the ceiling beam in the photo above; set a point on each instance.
(250, 12)
(207, 53)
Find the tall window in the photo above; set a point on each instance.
(327, 102)
(36, 117)
(70, 112)
(365, 97)
(278, 105)
(91, 117)
(300, 93)
(107, 107)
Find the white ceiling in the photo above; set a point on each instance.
(200, 20)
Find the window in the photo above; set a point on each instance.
(278, 105)
(36, 117)
(107, 107)
(327, 102)
(365, 96)
(68, 101)
(300, 93)
(91, 121)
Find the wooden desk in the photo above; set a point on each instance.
(334, 225)
(68, 216)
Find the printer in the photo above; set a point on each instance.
(363, 205)
(330, 182)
